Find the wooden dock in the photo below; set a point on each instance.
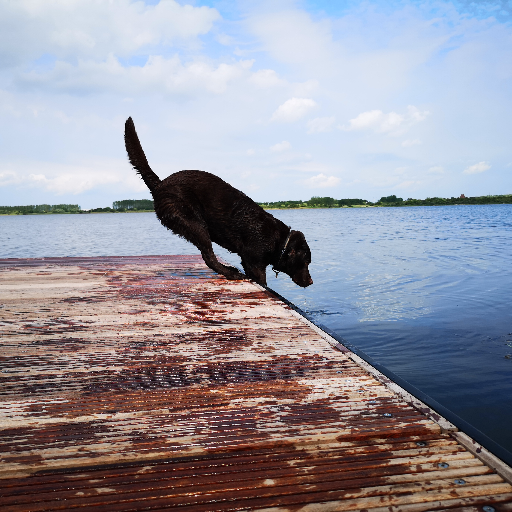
(149, 383)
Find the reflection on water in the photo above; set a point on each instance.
(379, 298)
(424, 290)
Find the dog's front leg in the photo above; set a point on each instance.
(195, 231)
(255, 272)
(228, 272)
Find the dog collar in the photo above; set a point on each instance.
(282, 252)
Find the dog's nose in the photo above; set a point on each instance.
(307, 282)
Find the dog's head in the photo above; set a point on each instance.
(296, 259)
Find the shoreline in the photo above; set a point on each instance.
(15, 214)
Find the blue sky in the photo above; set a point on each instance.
(283, 99)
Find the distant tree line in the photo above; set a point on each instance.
(40, 208)
(441, 201)
(315, 202)
(118, 206)
(133, 205)
(141, 205)
(393, 200)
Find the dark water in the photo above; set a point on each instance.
(425, 291)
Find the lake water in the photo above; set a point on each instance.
(424, 291)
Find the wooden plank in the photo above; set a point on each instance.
(135, 383)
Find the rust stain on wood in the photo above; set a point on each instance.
(149, 383)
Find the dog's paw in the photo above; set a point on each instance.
(233, 274)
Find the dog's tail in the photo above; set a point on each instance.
(137, 157)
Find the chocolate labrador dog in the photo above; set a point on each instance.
(202, 208)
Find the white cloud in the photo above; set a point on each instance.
(225, 40)
(266, 78)
(293, 109)
(414, 115)
(85, 29)
(411, 142)
(250, 152)
(281, 146)
(437, 169)
(306, 165)
(477, 168)
(321, 124)
(63, 179)
(407, 184)
(392, 122)
(79, 68)
(291, 36)
(322, 181)
(72, 183)
(305, 88)
(166, 76)
(375, 119)
(9, 178)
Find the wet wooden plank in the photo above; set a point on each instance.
(148, 383)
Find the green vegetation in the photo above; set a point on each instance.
(316, 202)
(39, 208)
(135, 205)
(107, 209)
(393, 200)
(127, 205)
(440, 201)
(284, 204)
(352, 202)
(146, 205)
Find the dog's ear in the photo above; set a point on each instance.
(294, 244)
